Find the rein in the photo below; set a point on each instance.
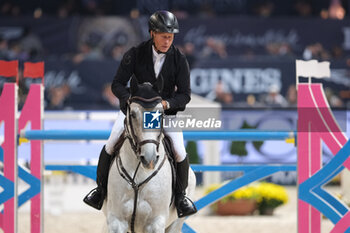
(136, 187)
(136, 147)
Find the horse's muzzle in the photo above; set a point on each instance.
(149, 164)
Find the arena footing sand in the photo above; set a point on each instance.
(91, 221)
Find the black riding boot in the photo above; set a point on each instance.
(184, 205)
(96, 196)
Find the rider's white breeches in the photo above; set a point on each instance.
(176, 137)
(117, 130)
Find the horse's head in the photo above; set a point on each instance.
(144, 121)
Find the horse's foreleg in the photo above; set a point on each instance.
(157, 225)
(115, 225)
(176, 226)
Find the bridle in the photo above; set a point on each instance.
(136, 146)
(130, 132)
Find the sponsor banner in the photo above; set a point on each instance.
(252, 35)
(70, 86)
(241, 35)
(55, 37)
(62, 38)
(241, 78)
(87, 84)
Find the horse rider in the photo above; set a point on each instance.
(152, 58)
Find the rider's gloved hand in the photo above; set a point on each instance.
(165, 104)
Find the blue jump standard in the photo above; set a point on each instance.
(239, 135)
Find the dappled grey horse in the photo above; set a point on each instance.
(139, 196)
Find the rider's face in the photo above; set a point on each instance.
(163, 40)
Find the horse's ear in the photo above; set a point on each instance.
(158, 85)
(134, 84)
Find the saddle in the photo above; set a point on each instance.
(169, 151)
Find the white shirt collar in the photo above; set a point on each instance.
(158, 61)
(157, 55)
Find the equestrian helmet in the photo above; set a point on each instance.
(163, 21)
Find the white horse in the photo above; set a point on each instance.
(139, 196)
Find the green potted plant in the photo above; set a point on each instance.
(270, 196)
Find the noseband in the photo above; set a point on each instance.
(130, 134)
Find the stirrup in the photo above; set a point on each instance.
(188, 210)
(94, 198)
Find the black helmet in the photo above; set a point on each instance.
(163, 21)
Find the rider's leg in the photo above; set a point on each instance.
(96, 196)
(184, 205)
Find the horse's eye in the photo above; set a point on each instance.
(133, 114)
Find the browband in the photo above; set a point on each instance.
(138, 98)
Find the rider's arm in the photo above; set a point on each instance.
(122, 77)
(183, 93)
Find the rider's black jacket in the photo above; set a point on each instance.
(175, 72)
